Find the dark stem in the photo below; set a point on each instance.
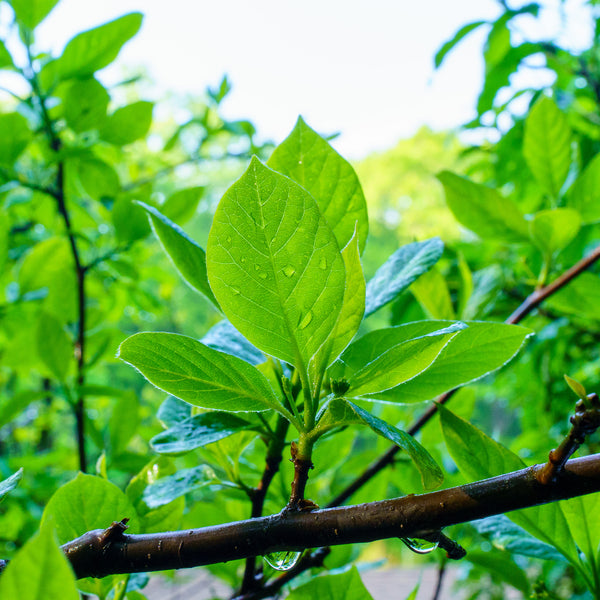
(410, 516)
(529, 304)
(301, 468)
(259, 494)
(440, 580)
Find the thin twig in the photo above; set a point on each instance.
(440, 579)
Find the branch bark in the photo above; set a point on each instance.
(97, 554)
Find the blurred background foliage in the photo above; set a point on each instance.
(70, 140)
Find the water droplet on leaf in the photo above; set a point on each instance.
(306, 320)
(420, 546)
(289, 271)
(283, 561)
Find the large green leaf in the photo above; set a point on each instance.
(396, 364)
(226, 338)
(582, 516)
(198, 374)
(32, 12)
(340, 586)
(274, 265)
(584, 194)
(547, 145)
(39, 571)
(15, 135)
(197, 431)
(85, 104)
(553, 230)
(309, 160)
(128, 123)
(97, 178)
(187, 256)
(475, 351)
(54, 346)
(479, 457)
(483, 210)
(400, 270)
(353, 309)
(341, 412)
(96, 48)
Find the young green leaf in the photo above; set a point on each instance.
(340, 586)
(200, 375)
(10, 483)
(353, 309)
(553, 230)
(310, 161)
(474, 352)
(39, 571)
(400, 270)
(54, 346)
(32, 12)
(340, 412)
(187, 256)
(483, 210)
(432, 293)
(96, 48)
(127, 124)
(399, 363)
(577, 388)
(181, 206)
(584, 194)
(169, 488)
(450, 44)
(274, 265)
(479, 457)
(197, 431)
(547, 145)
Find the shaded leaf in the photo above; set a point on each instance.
(226, 338)
(580, 298)
(54, 346)
(584, 194)
(169, 488)
(181, 206)
(339, 586)
(10, 483)
(553, 230)
(15, 136)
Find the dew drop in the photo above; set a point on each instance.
(289, 271)
(306, 320)
(419, 546)
(283, 561)
(323, 263)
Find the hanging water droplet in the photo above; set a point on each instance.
(305, 322)
(420, 546)
(323, 263)
(289, 271)
(283, 561)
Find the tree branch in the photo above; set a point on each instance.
(98, 554)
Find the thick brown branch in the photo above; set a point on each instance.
(410, 516)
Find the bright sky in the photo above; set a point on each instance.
(363, 68)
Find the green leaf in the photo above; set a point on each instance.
(169, 488)
(39, 571)
(458, 36)
(181, 206)
(85, 503)
(187, 256)
(54, 346)
(397, 364)
(577, 388)
(96, 48)
(85, 104)
(193, 372)
(130, 221)
(432, 293)
(350, 317)
(10, 483)
(226, 338)
(127, 124)
(15, 136)
(479, 457)
(584, 194)
(32, 12)
(547, 145)
(14, 405)
(197, 431)
(340, 586)
(5, 225)
(400, 270)
(502, 566)
(483, 210)
(98, 179)
(6, 60)
(582, 516)
(172, 411)
(474, 352)
(274, 265)
(580, 298)
(553, 230)
(124, 422)
(310, 161)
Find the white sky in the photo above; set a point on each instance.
(363, 68)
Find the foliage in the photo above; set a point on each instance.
(301, 353)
